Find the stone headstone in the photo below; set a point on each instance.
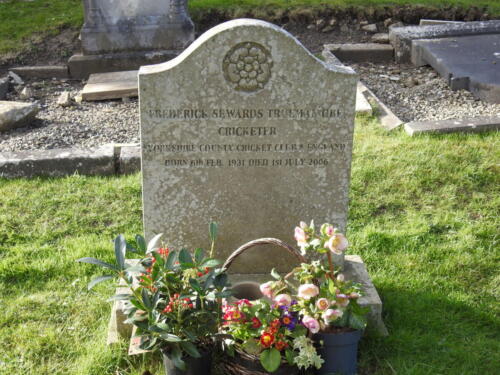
(122, 35)
(248, 129)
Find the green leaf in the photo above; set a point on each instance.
(120, 297)
(136, 268)
(141, 244)
(210, 263)
(213, 228)
(275, 274)
(98, 262)
(185, 257)
(195, 285)
(198, 255)
(98, 280)
(137, 304)
(120, 250)
(190, 349)
(270, 359)
(170, 338)
(331, 287)
(289, 354)
(146, 300)
(171, 258)
(220, 281)
(176, 357)
(357, 321)
(153, 244)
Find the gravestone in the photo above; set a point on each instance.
(120, 35)
(248, 129)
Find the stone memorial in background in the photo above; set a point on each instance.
(248, 129)
(122, 35)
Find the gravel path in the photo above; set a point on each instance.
(412, 93)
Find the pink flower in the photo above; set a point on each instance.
(337, 243)
(341, 277)
(283, 300)
(354, 295)
(301, 237)
(311, 324)
(327, 230)
(267, 289)
(331, 315)
(342, 300)
(322, 304)
(303, 225)
(308, 291)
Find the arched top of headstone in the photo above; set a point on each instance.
(251, 50)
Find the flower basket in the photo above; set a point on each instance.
(244, 363)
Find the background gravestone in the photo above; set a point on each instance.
(122, 35)
(248, 129)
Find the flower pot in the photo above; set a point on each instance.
(340, 352)
(195, 366)
(250, 364)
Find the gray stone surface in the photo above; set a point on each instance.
(362, 52)
(130, 159)
(54, 163)
(362, 104)
(478, 124)
(51, 71)
(117, 328)
(135, 25)
(426, 22)
(4, 87)
(467, 62)
(386, 117)
(232, 131)
(16, 114)
(82, 66)
(382, 38)
(401, 37)
(116, 85)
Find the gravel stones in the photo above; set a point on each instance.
(418, 94)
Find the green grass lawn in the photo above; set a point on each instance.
(423, 214)
(21, 21)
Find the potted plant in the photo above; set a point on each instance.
(268, 336)
(175, 300)
(326, 302)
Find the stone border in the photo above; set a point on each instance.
(107, 160)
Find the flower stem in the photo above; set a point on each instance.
(330, 264)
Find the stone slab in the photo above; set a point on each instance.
(362, 105)
(130, 159)
(117, 328)
(386, 117)
(16, 114)
(354, 269)
(48, 72)
(232, 132)
(116, 85)
(426, 22)
(129, 25)
(362, 52)
(468, 62)
(56, 163)
(478, 124)
(82, 66)
(4, 87)
(401, 37)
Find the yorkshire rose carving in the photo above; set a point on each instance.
(247, 66)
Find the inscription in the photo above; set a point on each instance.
(246, 113)
(245, 163)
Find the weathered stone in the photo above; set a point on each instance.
(426, 22)
(17, 80)
(54, 163)
(27, 93)
(4, 87)
(117, 328)
(130, 159)
(51, 71)
(371, 28)
(380, 38)
(16, 114)
(64, 100)
(386, 117)
(362, 52)
(104, 86)
(401, 37)
(232, 132)
(478, 124)
(467, 62)
(362, 105)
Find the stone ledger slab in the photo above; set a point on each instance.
(362, 52)
(467, 62)
(44, 71)
(232, 131)
(478, 124)
(4, 87)
(116, 85)
(16, 114)
(401, 37)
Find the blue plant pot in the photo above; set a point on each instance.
(340, 352)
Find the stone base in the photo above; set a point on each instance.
(81, 66)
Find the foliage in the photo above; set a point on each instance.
(175, 300)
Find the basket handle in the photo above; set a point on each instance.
(263, 241)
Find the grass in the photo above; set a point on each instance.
(423, 214)
(21, 21)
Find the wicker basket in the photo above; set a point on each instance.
(244, 363)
